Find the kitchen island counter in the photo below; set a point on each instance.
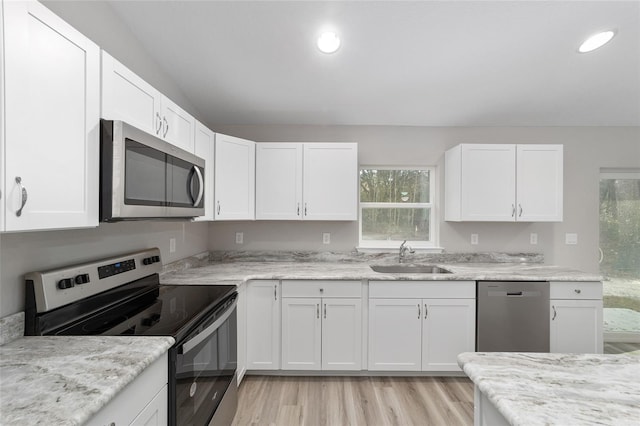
(554, 389)
(65, 380)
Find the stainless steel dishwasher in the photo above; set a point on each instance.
(513, 316)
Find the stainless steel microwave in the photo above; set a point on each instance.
(143, 177)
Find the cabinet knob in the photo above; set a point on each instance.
(578, 291)
(322, 290)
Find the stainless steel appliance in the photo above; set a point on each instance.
(513, 316)
(122, 296)
(144, 177)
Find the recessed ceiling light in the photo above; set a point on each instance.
(328, 42)
(596, 41)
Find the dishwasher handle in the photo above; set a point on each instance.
(505, 293)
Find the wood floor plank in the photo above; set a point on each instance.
(333, 401)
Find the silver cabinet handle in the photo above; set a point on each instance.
(23, 196)
(318, 310)
(554, 313)
(298, 210)
(275, 292)
(325, 311)
(218, 207)
(418, 311)
(166, 127)
(305, 209)
(426, 311)
(197, 171)
(158, 123)
(513, 210)
(578, 291)
(520, 214)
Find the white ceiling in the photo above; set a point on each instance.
(422, 63)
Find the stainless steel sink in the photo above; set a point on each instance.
(409, 268)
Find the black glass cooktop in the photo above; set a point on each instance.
(138, 308)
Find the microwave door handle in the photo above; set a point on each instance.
(200, 337)
(201, 186)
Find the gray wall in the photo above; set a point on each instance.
(586, 150)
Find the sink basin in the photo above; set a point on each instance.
(409, 268)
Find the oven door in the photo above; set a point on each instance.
(205, 365)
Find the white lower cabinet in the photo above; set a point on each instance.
(143, 402)
(321, 325)
(576, 317)
(242, 332)
(263, 325)
(420, 326)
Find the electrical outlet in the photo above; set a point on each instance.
(571, 239)
(326, 238)
(533, 238)
(239, 237)
(172, 245)
(474, 239)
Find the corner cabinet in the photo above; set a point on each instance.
(306, 181)
(127, 97)
(322, 325)
(504, 183)
(576, 317)
(143, 402)
(420, 326)
(263, 325)
(51, 103)
(234, 178)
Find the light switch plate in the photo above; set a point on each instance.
(571, 238)
(474, 239)
(239, 237)
(533, 238)
(326, 238)
(172, 245)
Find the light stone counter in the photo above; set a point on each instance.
(557, 389)
(237, 272)
(61, 380)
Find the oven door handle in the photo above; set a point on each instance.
(204, 334)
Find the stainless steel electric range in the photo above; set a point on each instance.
(122, 295)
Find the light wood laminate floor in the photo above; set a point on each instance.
(370, 401)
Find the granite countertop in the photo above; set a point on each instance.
(237, 272)
(61, 380)
(558, 389)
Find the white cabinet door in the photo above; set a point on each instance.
(263, 325)
(51, 123)
(395, 330)
(279, 181)
(129, 98)
(301, 334)
(156, 411)
(341, 334)
(234, 178)
(488, 182)
(205, 148)
(448, 330)
(242, 331)
(576, 326)
(539, 183)
(330, 181)
(178, 126)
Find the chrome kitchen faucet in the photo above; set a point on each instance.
(403, 250)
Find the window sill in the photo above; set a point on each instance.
(395, 249)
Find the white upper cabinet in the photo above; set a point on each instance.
(205, 148)
(179, 126)
(307, 181)
(234, 178)
(279, 181)
(504, 183)
(127, 97)
(50, 142)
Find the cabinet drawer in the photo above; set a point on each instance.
(319, 288)
(576, 290)
(422, 289)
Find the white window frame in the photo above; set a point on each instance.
(387, 245)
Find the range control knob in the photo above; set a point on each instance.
(156, 259)
(65, 283)
(82, 279)
(147, 261)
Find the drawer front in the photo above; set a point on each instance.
(321, 288)
(576, 290)
(422, 289)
